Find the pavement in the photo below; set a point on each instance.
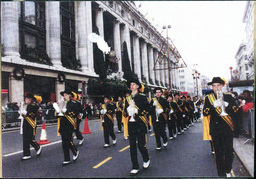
(243, 147)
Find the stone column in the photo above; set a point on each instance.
(117, 45)
(16, 89)
(166, 72)
(151, 64)
(99, 20)
(158, 78)
(10, 23)
(59, 87)
(145, 60)
(82, 35)
(53, 9)
(136, 46)
(162, 72)
(125, 36)
(89, 31)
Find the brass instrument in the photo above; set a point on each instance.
(132, 105)
(22, 106)
(220, 97)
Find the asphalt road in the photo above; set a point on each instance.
(186, 156)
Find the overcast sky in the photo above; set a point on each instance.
(207, 33)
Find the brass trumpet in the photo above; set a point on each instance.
(220, 97)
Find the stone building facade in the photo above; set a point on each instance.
(58, 31)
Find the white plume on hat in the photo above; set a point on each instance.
(102, 45)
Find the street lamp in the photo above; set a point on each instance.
(231, 68)
(196, 76)
(169, 67)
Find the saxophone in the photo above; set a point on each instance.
(220, 97)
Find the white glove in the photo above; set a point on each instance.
(159, 111)
(131, 111)
(183, 115)
(171, 111)
(56, 107)
(64, 110)
(103, 111)
(24, 112)
(217, 103)
(226, 104)
(154, 103)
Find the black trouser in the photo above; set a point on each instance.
(77, 131)
(171, 127)
(160, 131)
(108, 131)
(136, 133)
(67, 143)
(223, 147)
(119, 120)
(179, 122)
(29, 139)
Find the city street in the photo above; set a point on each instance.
(186, 156)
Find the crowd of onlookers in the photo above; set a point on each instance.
(245, 103)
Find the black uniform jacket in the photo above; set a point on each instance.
(175, 109)
(164, 105)
(219, 123)
(30, 117)
(142, 105)
(68, 121)
(108, 116)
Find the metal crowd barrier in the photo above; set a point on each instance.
(249, 124)
(10, 118)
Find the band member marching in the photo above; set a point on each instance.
(159, 106)
(119, 110)
(29, 127)
(172, 117)
(79, 109)
(137, 107)
(179, 113)
(185, 114)
(219, 107)
(68, 126)
(107, 120)
(191, 107)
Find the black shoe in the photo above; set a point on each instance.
(39, 151)
(65, 163)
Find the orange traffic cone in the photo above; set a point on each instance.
(43, 137)
(86, 127)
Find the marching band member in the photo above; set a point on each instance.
(68, 126)
(79, 109)
(29, 127)
(119, 110)
(137, 107)
(107, 120)
(220, 107)
(159, 107)
(185, 115)
(179, 113)
(191, 107)
(172, 117)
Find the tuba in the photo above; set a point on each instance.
(220, 97)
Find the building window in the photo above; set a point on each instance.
(133, 22)
(68, 50)
(32, 34)
(246, 67)
(67, 20)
